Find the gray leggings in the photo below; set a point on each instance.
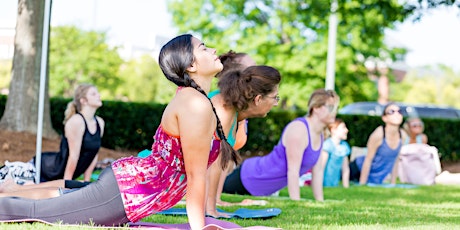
(99, 203)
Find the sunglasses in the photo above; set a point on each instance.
(393, 111)
(418, 124)
(331, 108)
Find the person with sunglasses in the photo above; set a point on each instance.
(414, 127)
(383, 147)
(297, 151)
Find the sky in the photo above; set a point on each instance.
(435, 39)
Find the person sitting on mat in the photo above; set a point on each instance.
(80, 142)
(297, 151)
(335, 155)
(383, 147)
(188, 140)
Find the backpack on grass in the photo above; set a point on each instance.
(20, 172)
(418, 164)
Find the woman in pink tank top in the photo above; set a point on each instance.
(186, 143)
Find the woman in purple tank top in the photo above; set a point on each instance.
(297, 151)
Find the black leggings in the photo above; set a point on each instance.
(99, 203)
(72, 184)
(233, 184)
(354, 172)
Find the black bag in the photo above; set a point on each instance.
(53, 163)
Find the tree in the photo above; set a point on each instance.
(292, 36)
(78, 56)
(21, 111)
(144, 81)
(430, 85)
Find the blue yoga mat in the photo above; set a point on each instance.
(392, 185)
(242, 213)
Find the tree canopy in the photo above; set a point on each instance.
(292, 36)
(78, 56)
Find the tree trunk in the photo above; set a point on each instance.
(21, 110)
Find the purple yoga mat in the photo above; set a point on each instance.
(211, 224)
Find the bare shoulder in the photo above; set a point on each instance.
(377, 134)
(75, 124)
(75, 120)
(296, 126)
(193, 102)
(295, 130)
(100, 121)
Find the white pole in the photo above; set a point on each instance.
(330, 69)
(41, 98)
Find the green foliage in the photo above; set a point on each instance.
(358, 207)
(77, 56)
(131, 126)
(292, 36)
(360, 127)
(166, 90)
(133, 123)
(261, 140)
(431, 85)
(5, 73)
(127, 125)
(143, 81)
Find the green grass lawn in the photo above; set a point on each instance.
(358, 207)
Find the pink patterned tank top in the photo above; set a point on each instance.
(157, 182)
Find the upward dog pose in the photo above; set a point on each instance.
(186, 143)
(83, 131)
(235, 61)
(80, 143)
(232, 61)
(383, 148)
(297, 151)
(243, 94)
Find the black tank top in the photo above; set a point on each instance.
(90, 145)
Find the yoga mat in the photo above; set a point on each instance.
(392, 185)
(242, 213)
(211, 224)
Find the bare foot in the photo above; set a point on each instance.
(224, 203)
(245, 202)
(9, 185)
(216, 214)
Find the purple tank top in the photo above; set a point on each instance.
(262, 176)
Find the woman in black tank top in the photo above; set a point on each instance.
(83, 131)
(79, 147)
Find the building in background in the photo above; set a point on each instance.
(7, 32)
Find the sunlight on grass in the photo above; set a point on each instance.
(358, 207)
